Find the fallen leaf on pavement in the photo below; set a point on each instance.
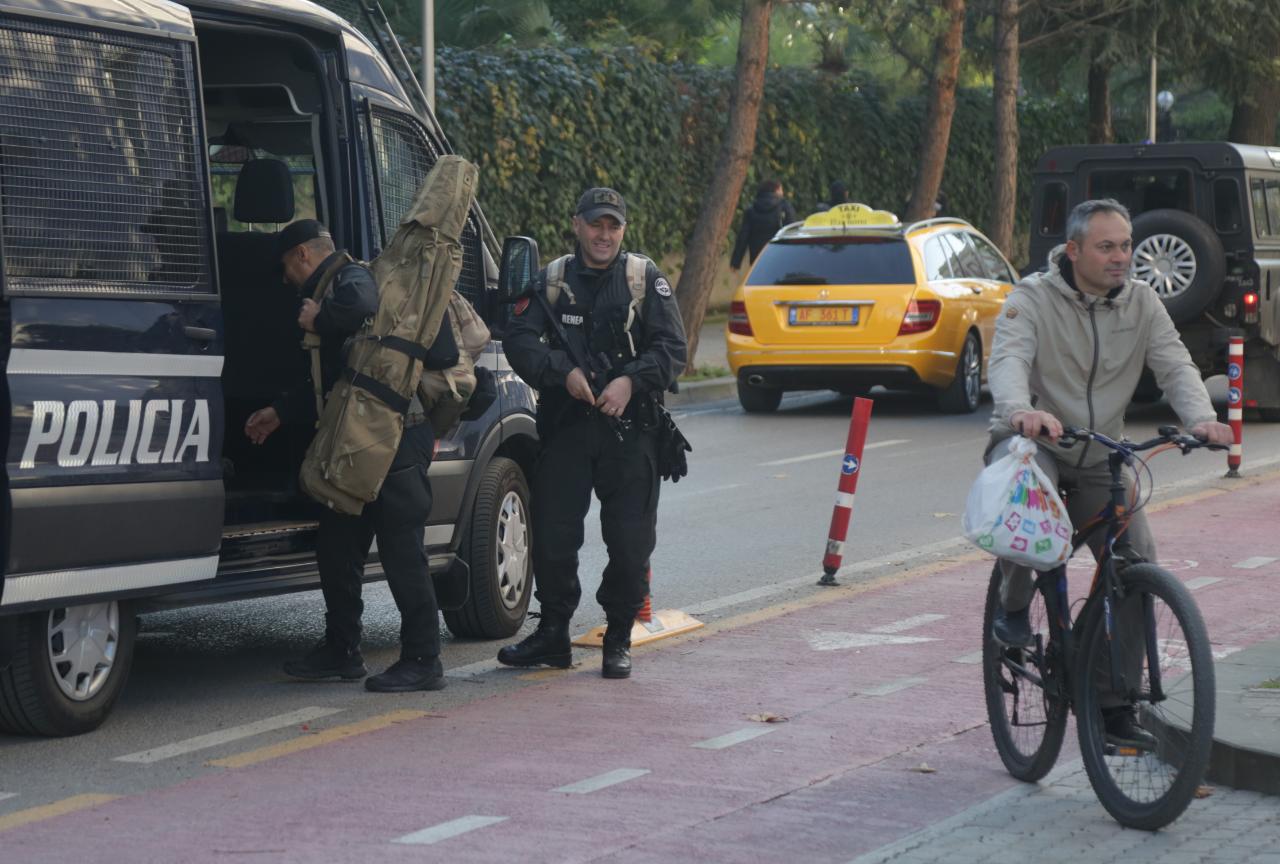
(1204, 790)
(923, 768)
(767, 718)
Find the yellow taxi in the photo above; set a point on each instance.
(851, 298)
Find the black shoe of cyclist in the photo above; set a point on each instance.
(1012, 628)
(1124, 730)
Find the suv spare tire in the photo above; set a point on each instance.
(1181, 258)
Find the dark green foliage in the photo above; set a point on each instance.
(546, 124)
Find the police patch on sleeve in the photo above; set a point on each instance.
(662, 286)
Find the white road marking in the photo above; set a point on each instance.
(827, 454)
(908, 623)
(708, 491)
(723, 741)
(892, 687)
(6, 795)
(223, 736)
(603, 781)
(825, 640)
(1201, 582)
(1254, 563)
(975, 657)
(446, 830)
(480, 667)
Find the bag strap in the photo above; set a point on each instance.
(556, 282)
(311, 341)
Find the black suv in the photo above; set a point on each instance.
(1206, 231)
(148, 153)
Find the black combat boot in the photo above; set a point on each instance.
(408, 674)
(617, 649)
(546, 646)
(328, 660)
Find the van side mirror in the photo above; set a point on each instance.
(519, 266)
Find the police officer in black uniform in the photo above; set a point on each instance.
(598, 429)
(396, 517)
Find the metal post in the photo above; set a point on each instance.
(1151, 101)
(429, 52)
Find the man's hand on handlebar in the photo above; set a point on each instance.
(1213, 432)
(1034, 423)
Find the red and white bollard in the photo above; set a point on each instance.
(1235, 403)
(850, 467)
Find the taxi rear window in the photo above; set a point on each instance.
(848, 261)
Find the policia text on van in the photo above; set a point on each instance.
(149, 151)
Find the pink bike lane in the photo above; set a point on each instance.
(885, 733)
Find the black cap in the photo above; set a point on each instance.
(601, 201)
(299, 232)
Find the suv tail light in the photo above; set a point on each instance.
(921, 316)
(1250, 300)
(739, 323)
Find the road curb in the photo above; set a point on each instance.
(699, 392)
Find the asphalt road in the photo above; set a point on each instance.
(744, 530)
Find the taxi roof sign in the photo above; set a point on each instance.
(843, 215)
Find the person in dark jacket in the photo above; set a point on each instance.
(396, 518)
(769, 212)
(597, 426)
(837, 193)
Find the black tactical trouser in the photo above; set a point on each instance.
(396, 518)
(583, 454)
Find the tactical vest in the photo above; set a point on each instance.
(637, 268)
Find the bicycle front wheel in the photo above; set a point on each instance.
(1025, 688)
(1147, 781)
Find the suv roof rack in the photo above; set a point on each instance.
(937, 220)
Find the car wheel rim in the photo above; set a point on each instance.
(83, 642)
(972, 373)
(513, 550)
(1166, 263)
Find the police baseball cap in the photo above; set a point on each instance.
(299, 232)
(601, 201)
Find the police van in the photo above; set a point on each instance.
(149, 151)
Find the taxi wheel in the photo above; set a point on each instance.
(758, 400)
(965, 393)
(69, 667)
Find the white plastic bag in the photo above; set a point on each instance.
(1014, 511)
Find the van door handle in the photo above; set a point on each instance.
(200, 334)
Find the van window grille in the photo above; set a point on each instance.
(101, 170)
(404, 155)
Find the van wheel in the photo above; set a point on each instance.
(758, 400)
(497, 547)
(965, 393)
(69, 667)
(1181, 258)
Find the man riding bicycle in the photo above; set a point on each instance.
(1070, 346)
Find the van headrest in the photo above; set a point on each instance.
(264, 192)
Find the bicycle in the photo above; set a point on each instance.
(1030, 691)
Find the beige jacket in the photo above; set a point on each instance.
(1080, 357)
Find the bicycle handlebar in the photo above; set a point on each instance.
(1167, 435)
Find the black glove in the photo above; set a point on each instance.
(672, 445)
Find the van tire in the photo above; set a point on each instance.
(32, 702)
(1199, 246)
(497, 546)
(758, 400)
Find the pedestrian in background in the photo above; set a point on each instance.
(769, 212)
(837, 194)
(598, 366)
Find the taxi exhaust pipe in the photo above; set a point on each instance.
(755, 380)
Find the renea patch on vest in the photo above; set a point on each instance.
(151, 431)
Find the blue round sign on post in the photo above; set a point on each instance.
(850, 464)
(1233, 394)
(1233, 370)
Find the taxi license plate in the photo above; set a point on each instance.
(824, 315)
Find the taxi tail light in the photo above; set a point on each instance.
(921, 315)
(739, 323)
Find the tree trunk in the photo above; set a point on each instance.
(721, 198)
(1005, 186)
(1257, 109)
(937, 119)
(1100, 129)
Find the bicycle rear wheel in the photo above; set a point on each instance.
(1144, 787)
(1025, 687)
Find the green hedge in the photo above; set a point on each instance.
(544, 125)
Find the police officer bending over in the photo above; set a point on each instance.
(597, 424)
(402, 507)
